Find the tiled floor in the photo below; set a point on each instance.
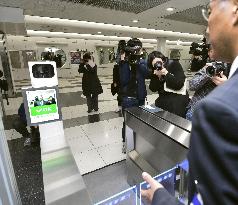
(97, 147)
(27, 167)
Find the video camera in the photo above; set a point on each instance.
(201, 53)
(200, 49)
(215, 68)
(132, 50)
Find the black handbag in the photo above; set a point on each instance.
(114, 90)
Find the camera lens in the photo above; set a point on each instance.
(158, 65)
(215, 68)
(211, 70)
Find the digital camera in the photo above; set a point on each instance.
(158, 65)
(215, 68)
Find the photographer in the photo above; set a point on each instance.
(204, 82)
(168, 80)
(199, 52)
(133, 72)
(90, 83)
(212, 156)
(115, 86)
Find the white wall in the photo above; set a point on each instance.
(38, 44)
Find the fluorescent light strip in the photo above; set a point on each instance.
(95, 37)
(107, 27)
(82, 36)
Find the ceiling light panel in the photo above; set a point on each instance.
(131, 6)
(191, 15)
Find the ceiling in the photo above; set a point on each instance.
(151, 14)
(190, 15)
(132, 6)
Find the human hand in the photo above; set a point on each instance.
(114, 84)
(91, 63)
(219, 80)
(160, 73)
(154, 185)
(164, 71)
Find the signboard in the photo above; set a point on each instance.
(75, 57)
(41, 105)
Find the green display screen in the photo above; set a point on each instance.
(42, 105)
(44, 110)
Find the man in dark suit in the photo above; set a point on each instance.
(213, 154)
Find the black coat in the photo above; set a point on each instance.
(172, 102)
(116, 79)
(90, 82)
(133, 87)
(116, 75)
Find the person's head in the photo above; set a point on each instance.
(134, 42)
(211, 53)
(175, 55)
(87, 57)
(223, 29)
(134, 46)
(154, 57)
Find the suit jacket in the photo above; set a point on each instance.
(213, 153)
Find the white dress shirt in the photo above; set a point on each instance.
(234, 67)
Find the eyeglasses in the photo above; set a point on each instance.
(206, 12)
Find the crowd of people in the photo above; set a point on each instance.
(51, 56)
(213, 110)
(166, 76)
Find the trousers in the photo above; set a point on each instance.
(92, 102)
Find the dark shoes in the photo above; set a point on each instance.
(89, 111)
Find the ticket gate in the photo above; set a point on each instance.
(156, 141)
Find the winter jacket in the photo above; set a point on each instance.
(90, 82)
(172, 102)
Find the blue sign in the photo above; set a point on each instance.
(126, 197)
(167, 179)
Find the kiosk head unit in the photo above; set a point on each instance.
(43, 73)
